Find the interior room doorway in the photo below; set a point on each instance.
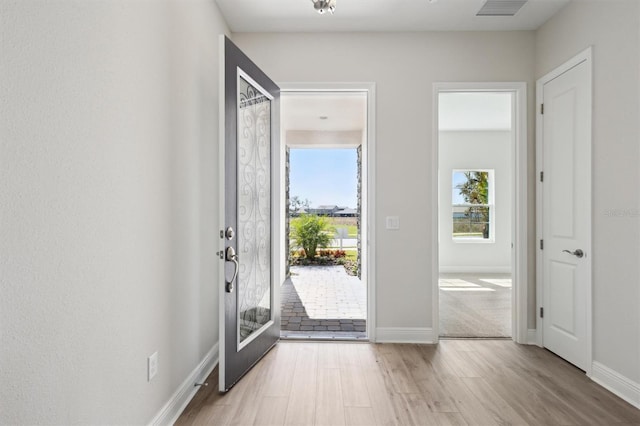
(325, 295)
(480, 212)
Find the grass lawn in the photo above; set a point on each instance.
(352, 255)
(350, 223)
(352, 231)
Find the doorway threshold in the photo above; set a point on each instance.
(305, 335)
(475, 338)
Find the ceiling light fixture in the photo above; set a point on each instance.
(321, 6)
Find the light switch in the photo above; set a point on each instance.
(393, 222)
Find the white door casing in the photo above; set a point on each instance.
(519, 223)
(565, 205)
(368, 189)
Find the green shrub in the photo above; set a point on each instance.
(311, 232)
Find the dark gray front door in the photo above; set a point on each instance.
(250, 321)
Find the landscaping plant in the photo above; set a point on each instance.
(311, 232)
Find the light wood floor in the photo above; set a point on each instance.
(457, 382)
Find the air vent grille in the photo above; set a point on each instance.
(501, 7)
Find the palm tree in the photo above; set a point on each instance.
(475, 190)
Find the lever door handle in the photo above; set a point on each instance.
(578, 253)
(231, 256)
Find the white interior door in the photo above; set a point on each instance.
(566, 218)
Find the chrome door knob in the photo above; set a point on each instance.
(577, 253)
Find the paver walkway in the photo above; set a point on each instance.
(323, 301)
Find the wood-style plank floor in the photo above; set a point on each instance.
(458, 382)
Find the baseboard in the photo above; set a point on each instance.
(617, 383)
(532, 336)
(404, 335)
(475, 269)
(183, 395)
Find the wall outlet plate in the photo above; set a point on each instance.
(152, 366)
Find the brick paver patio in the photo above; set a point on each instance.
(323, 301)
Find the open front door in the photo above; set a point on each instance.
(249, 318)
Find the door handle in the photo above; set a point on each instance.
(578, 253)
(231, 256)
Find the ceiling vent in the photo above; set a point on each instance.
(501, 7)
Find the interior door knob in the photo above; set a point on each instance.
(578, 253)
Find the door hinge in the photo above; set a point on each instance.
(541, 244)
(542, 109)
(541, 176)
(541, 312)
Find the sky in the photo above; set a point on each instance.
(324, 176)
(458, 178)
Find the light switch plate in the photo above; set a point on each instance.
(393, 222)
(152, 366)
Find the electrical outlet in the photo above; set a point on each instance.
(152, 366)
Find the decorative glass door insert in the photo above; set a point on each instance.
(254, 209)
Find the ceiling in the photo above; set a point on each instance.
(346, 115)
(345, 111)
(380, 16)
(474, 111)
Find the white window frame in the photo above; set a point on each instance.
(491, 205)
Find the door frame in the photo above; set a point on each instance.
(582, 57)
(368, 190)
(519, 213)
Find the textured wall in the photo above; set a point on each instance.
(108, 205)
(612, 28)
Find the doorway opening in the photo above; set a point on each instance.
(481, 212)
(325, 139)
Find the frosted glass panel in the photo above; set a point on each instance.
(254, 209)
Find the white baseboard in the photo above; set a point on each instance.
(532, 336)
(183, 395)
(475, 269)
(617, 383)
(404, 335)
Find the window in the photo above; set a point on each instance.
(472, 205)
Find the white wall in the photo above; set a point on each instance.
(108, 200)
(476, 150)
(403, 66)
(612, 28)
